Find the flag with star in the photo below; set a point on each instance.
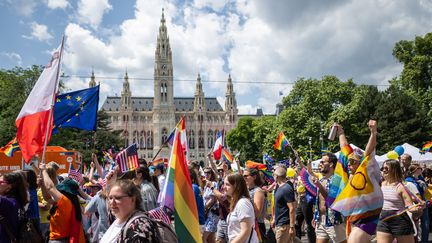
(77, 109)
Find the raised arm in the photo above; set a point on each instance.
(370, 147)
(341, 134)
(98, 166)
(48, 184)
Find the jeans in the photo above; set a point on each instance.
(425, 226)
(304, 211)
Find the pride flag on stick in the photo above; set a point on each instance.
(281, 142)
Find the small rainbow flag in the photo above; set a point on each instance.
(261, 167)
(10, 148)
(281, 142)
(427, 146)
(227, 156)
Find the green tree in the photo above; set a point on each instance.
(15, 85)
(400, 120)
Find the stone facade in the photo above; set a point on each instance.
(148, 121)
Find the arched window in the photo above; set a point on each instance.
(142, 140)
(210, 140)
(201, 139)
(164, 135)
(191, 139)
(149, 139)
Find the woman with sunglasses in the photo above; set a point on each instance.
(124, 202)
(13, 197)
(394, 221)
(254, 183)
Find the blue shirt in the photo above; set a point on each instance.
(200, 203)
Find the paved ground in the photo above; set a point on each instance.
(305, 240)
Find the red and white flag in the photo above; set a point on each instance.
(217, 149)
(32, 121)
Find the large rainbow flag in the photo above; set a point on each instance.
(340, 176)
(362, 198)
(281, 142)
(185, 208)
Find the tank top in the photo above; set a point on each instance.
(392, 199)
(264, 209)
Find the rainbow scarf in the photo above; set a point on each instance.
(179, 195)
(306, 179)
(340, 177)
(426, 147)
(361, 200)
(281, 142)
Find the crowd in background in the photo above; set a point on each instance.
(233, 206)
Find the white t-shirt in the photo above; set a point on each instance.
(113, 232)
(243, 210)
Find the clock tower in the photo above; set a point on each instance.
(163, 104)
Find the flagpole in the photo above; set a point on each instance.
(53, 101)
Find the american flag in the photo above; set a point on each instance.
(127, 159)
(159, 213)
(75, 174)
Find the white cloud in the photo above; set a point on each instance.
(39, 32)
(91, 11)
(270, 43)
(53, 4)
(14, 57)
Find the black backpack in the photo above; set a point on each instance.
(164, 232)
(27, 231)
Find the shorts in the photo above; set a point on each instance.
(336, 233)
(398, 225)
(282, 233)
(222, 230)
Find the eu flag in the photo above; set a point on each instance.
(77, 109)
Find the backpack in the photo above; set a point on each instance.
(140, 225)
(27, 231)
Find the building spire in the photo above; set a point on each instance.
(199, 104)
(230, 104)
(92, 82)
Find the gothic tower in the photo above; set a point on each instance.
(126, 109)
(200, 115)
(230, 105)
(163, 104)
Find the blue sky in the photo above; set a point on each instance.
(265, 45)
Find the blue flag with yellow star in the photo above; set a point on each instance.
(77, 109)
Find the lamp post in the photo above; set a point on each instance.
(310, 148)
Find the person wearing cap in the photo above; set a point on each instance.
(159, 171)
(362, 229)
(65, 216)
(417, 185)
(97, 207)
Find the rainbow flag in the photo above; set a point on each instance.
(306, 179)
(10, 148)
(227, 156)
(185, 208)
(362, 198)
(426, 147)
(281, 142)
(340, 176)
(262, 167)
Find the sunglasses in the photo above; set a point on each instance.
(117, 198)
(384, 168)
(246, 176)
(207, 172)
(353, 161)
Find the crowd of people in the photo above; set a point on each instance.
(233, 206)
